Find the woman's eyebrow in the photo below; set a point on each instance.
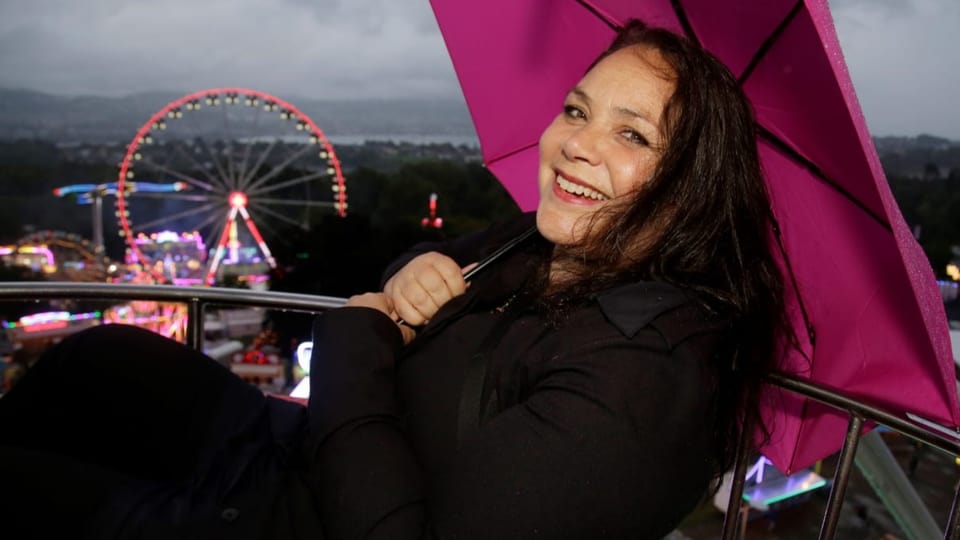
(577, 91)
(625, 111)
(622, 111)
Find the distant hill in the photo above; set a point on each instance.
(26, 114)
(924, 156)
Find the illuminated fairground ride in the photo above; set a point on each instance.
(248, 158)
(60, 256)
(93, 195)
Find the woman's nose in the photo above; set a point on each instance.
(581, 145)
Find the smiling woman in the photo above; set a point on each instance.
(591, 381)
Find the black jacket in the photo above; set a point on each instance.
(599, 427)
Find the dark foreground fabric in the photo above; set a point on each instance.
(116, 428)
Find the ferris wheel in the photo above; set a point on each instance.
(254, 166)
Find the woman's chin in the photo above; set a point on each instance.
(557, 227)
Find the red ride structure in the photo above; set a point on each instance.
(243, 153)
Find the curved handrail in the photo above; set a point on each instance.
(196, 298)
(35, 290)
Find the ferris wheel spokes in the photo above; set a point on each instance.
(288, 183)
(276, 169)
(224, 179)
(277, 215)
(191, 197)
(188, 179)
(185, 152)
(231, 172)
(207, 221)
(242, 172)
(291, 202)
(260, 161)
(173, 217)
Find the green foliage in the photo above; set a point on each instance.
(932, 206)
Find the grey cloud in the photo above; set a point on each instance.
(901, 53)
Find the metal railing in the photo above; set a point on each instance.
(858, 413)
(197, 298)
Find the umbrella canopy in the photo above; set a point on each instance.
(861, 297)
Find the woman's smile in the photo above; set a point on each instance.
(575, 191)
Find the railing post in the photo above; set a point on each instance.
(953, 525)
(841, 477)
(195, 324)
(733, 517)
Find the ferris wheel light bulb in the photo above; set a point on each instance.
(330, 170)
(324, 155)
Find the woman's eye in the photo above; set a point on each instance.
(635, 137)
(572, 111)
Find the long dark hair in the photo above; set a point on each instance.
(703, 223)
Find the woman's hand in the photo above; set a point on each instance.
(383, 303)
(424, 285)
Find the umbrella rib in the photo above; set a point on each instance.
(681, 13)
(811, 331)
(596, 12)
(493, 160)
(768, 43)
(810, 166)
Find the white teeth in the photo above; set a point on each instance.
(580, 190)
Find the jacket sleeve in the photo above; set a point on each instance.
(611, 441)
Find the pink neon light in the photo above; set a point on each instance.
(52, 325)
(238, 199)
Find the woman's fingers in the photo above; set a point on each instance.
(378, 301)
(424, 285)
(414, 314)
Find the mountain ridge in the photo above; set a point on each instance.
(28, 114)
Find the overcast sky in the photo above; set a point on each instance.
(903, 55)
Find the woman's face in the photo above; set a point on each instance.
(605, 143)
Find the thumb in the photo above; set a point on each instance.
(407, 333)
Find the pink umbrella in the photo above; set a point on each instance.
(862, 296)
